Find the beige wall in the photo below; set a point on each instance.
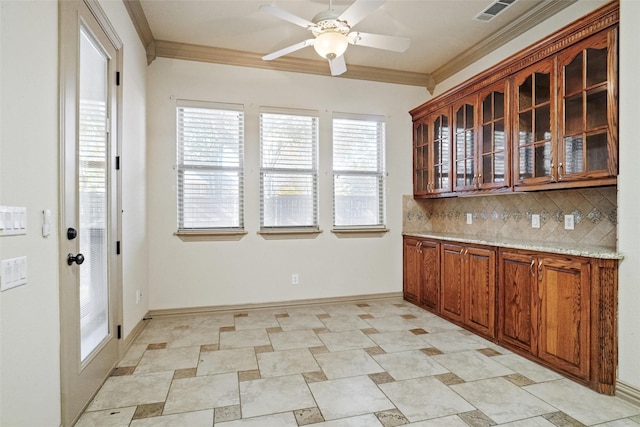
(29, 315)
(256, 270)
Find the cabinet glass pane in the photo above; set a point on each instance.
(436, 173)
(445, 180)
(436, 151)
(596, 66)
(460, 120)
(596, 108)
(525, 94)
(498, 164)
(573, 75)
(526, 162)
(460, 174)
(543, 159)
(543, 123)
(421, 157)
(498, 136)
(469, 143)
(498, 107)
(486, 109)
(525, 124)
(469, 116)
(543, 88)
(486, 138)
(573, 155)
(469, 172)
(573, 114)
(597, 153)
(487, 168)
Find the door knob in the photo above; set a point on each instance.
(78, 259)
(71, 233)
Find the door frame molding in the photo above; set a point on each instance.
(68, 115)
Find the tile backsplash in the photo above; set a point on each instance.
(509, 216)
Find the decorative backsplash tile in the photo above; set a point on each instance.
(509, 216)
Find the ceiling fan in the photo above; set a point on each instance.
(332, 33)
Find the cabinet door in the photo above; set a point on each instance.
(588, 109)
(430, 265)
(480, 290)
(493, 139)
(534, 125)
(420, 158)
(564, 292)
(411, 270)
(464, 144)
(440, 150)
(452, 281)
(516, 303)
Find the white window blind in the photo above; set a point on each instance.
(358, 171)
(210, 139)
(288, 170)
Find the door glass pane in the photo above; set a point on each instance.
(543, 159)
(486, 138)
(498, 165)
(525, 133)
(486, 109)
(573, 152)
(486, 169)
(92, 193)
(498, 110)
(498, 136)
(597, 153)
(543, 123)
(573, 114)
(526, 162)
(525, 94)
(596, 109)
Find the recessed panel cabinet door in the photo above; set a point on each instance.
(452, 281)
(516, 302)
(480, 266)
(430, 264)
(411, 270)
(563, 287)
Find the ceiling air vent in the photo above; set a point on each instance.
(493, 10)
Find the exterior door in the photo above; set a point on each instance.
(90, 302)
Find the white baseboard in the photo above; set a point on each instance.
(628, 392)
(131, 338)
(296, 303)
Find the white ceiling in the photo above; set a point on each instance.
(440, 30)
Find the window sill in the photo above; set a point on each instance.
(209, 235)
(289, 233)
(360, 232)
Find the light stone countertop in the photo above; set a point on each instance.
(573, 249)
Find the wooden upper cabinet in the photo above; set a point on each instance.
(534, 125)
(588, 109)
(493, 137)
(546, 118)
(464, 144)
(432, 154)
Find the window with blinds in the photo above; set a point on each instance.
(210, 141)
(288, 170)
(358, 171)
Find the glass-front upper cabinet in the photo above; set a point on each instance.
(464, 144)
(534, 125)
(588, 109)
(432, 154)
(494, 141)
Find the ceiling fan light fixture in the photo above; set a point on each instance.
(331, 44)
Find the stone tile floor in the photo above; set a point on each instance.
(374, 363)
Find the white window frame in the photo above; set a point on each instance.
(269, 171)
(340, 137)
(182, 167)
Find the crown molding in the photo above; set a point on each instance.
(192, 52)
(533, 17)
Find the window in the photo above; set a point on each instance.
(288, 170)
(210, 139)
(358, 171)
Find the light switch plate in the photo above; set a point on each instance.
(469, 218)
(569, 223)
(535, 221)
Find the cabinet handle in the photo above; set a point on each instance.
(540, 270)
(533, 261)
(553, 179)
(420, 247)
(559, 171)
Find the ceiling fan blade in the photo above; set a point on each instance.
(283, 14)
(359, 10)
(396, 44)
(337, 65)
(289, 49)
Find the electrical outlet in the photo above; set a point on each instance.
(138, 296)
(469, 218)
(569, 223)
(295, 279)
(535, 221)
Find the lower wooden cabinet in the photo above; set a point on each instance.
(557, 310)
